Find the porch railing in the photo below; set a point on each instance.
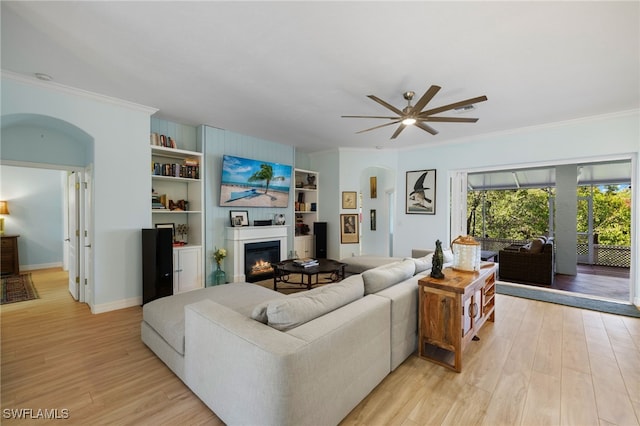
(603, 255)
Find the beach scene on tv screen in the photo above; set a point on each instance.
(254, 183)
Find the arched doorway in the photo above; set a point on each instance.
(43, 142)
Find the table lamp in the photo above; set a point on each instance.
(466, 254)
(4, 209)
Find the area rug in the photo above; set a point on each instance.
(568, 299)
(18, 288)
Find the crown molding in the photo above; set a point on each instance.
(68, 90)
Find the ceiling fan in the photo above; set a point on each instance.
(415, 115)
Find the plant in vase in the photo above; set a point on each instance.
(219, 277)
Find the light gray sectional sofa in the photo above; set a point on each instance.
(255, 356)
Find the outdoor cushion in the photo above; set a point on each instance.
(536, 246)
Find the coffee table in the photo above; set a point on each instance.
(283, 270)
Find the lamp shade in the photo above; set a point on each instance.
(4, 207)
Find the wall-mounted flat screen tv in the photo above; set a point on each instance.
(254, 183)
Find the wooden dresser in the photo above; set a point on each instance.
(451, 312)
(9, 263)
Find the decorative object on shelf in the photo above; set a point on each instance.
(349, 229)
(239, 217)
(466, 254)
(264, 222)
(373, 187)
(311, 181)
(279, 219)
(171, 226)
(4, 210)
(219, 277)
(180, 205)
(421, 192)
(349, 199)
(182, 229)
(372, 215)
(437, 261)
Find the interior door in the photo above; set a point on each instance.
(87, 255)
(73, 186)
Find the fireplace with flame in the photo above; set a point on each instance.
(258, 258)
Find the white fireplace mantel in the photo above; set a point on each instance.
(237, 237)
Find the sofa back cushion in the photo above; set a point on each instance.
(385, 276)
(423, 263)
(299, 308)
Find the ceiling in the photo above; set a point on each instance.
(287, 71)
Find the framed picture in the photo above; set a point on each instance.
(349, 229)
(171, 226)
(349, 199)
(373, 187)
(372, 216)
(239, 217)
(421, 192)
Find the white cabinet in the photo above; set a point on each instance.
(303, 246)
(187, 269)
(305, 211)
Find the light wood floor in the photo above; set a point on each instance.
(538, 364)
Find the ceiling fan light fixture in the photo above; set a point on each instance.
(465, 108)
(409, 121)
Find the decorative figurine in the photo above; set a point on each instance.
(437, 262)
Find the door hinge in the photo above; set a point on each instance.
(85, 233)
(77, 185)
(77, 232)
(77, 280)
(86, 282)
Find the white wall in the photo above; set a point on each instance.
(121, 178)
(561, 143)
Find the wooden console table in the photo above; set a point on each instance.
(451, 311)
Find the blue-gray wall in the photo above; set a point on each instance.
(36, 203)
(216, 143)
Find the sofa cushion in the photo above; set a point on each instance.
(447, 254)
(359, 264)
(423, 263)
(299, 308)
(166, 315)
(385, 276)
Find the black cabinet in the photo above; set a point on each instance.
(157, 263)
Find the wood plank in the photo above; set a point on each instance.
(55, 354)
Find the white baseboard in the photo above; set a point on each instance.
(114, 306)
(41, 266)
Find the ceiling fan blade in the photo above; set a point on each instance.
(425, 99)
(377, 127)
(452, 106)
(449, 119)
(400, 128)
(368, 116)
(426, 128)
(386, 105)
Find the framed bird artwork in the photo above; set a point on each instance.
(421, 192)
